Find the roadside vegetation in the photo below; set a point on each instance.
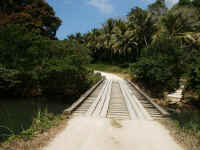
(121, 70)
(31, 133)
(113, 68)
(36, 67)
(188, 121)
(184, 127)
(42, 121)
(35, 116)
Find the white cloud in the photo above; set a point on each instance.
(171, 3)
(103, 5)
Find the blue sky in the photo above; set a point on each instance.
(84, 15)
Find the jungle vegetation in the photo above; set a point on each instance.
(161, 45)
(40, 76)
(33, 62)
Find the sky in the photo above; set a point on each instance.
(84, 15)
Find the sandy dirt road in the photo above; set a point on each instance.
(96, 133)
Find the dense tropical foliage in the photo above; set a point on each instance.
(162, 45)
(32, 61)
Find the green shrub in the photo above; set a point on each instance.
(159, 69)
(63, 80)
(64, 74)
(124, 65)
(22, 53)
(193, 76)
(29, 85)
(34, 66)
(18, 83)
(78, 53)
(155, 75)
(189, 120)
(21, 49)
(196, 3)
(8, 80)
(185, 2)
(26, 126)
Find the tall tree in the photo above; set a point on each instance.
(140, 21)
(185, 2)
(108, 29)
(35, 14)
(157, 9)
(196, 3)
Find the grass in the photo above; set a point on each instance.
(41, 123)
(45, 126)
(185, 128)
(24, 119)
(188, 121)
(119, 69)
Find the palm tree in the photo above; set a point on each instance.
(95, 42)
(122, 39)
(107, 33)
(180, 20)
(157, 9)
(142, 24)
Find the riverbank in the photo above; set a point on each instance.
(39, 138)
